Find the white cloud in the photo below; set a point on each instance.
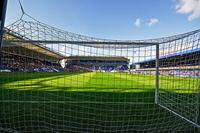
(153, 21)
(138, 22)
(190, 7)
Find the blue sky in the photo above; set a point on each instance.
(113, 19)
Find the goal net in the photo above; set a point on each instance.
(179, 90)
(57, 81)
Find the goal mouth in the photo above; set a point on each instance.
(58, 81)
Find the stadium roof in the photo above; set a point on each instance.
(29, 46)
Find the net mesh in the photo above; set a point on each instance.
(57, 81)
(181, 95)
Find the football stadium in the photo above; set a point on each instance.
(53, 80)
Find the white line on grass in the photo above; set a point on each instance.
(78, 102)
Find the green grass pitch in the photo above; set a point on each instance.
(88, 102)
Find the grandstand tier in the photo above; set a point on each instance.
(97, 63)
(28, 57)
(188, 57)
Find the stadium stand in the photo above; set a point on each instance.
(16, 63)
(28, 57)
(176, 64)
(96, 64)
(31, 57)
